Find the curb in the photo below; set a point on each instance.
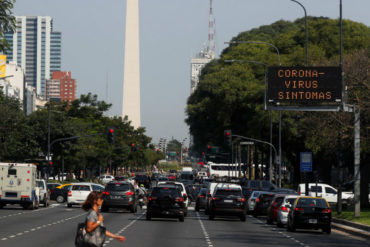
(352, 228)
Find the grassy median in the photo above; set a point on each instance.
(349, 215)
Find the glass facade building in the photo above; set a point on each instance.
(36, 48)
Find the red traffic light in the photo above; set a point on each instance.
(111, 130)
(50, 162)
(209, 147)
(227, 133)
(203, 153)
(133, 145)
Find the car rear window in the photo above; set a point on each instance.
(117, 187)
(81, 187)
(228, 193)
(166, 191)
(291, 200)
(187, 176)
(266, 197)
(255, 184)
(203, 192)
(312, 202)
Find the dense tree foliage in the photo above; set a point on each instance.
(231, 95)
(25, 138)
(7, 22)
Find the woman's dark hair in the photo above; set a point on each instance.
(89, 203)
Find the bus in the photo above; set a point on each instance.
(223, 170)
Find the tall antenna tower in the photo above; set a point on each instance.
(211, 47)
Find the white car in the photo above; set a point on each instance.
(44, 193)
(79, 192)
(181, 187)
(282, 214)
(106, 179)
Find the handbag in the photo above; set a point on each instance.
(95, 238)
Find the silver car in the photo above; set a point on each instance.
(282, 214)
(252, 200)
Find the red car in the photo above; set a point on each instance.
(273, 208)
(171, 177)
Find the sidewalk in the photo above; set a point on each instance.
(357, 229)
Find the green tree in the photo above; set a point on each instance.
(7, 22)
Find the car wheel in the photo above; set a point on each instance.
(327, 229)
(185, 213)
(148, 216)
(279, 224)
(292, 227)
(181, 218)
(69, 205)
(243, 217)
(1, 205)
(211, 216)
(196, 208)
(104, 209)
(206, 211)
(60, 199)
(269, 221)
(132, 209)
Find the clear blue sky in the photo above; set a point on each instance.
(171, 32)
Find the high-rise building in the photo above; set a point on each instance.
(36, 48)
(61, 87)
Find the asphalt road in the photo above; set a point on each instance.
(56, 226)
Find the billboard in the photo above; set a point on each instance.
(294, 86)
(2, 65)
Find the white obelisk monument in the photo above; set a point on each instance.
(131, 71)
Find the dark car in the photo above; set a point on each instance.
(166, 201)
(272, 210)
(119, 195)
(60, 195)
(262, 203)
(162, 178)
(143, 179)
(119, 178)
(200, 202)
(310, 213)
(228, 200)
(52, 186)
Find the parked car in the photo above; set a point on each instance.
(79, 192)
(200, 202)
(272, 210)
(106, 178)
(228, 200)
(166, 201)
(60, 194)
(282, 215)
(262, 203)
(310, 213)
(44, 193)
(119, 195)
(325, 191)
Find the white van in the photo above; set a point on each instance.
(44, 193)
(325, 191)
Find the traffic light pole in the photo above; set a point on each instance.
(277, 158)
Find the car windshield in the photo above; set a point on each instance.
(166, 191)
(255, 194)
(117, 187)
(228, 192)
(312, 202)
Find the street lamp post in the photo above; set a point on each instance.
(305, 20)
(182, 144)
(279, 62)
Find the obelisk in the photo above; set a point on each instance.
(131, 70)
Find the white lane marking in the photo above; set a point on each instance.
(205, 233)
(123, 229)
(40, 227)
(282, 233)
(28, 212)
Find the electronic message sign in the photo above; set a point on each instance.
(304, 85)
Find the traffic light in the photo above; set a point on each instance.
(133, 147)
(50, 163)
(111, 135)
(228, 137)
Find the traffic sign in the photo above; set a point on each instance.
(306, 161)
(246, 143)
